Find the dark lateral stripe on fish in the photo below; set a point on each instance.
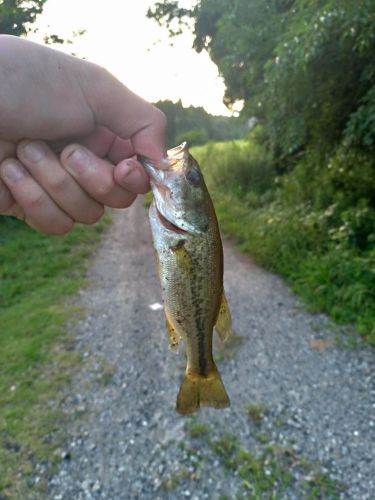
(202, 360)
(200, 327)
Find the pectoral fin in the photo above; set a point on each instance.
(182, 256)
(223, 324)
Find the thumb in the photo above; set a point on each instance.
(126, 114)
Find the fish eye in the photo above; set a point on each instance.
(193, 176)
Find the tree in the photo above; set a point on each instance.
(16, 16)
(304, 68)
(195, 125)
(239, 35)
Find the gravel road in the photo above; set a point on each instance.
(290, 384)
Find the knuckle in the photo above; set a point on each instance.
(104, 188)
(99, 214)
(50, 228)
(160, 118)
(17, 211)
(59, 184)
(92, 216)
(35, 201)
(6, 199)
(64, 227)
(124, 202)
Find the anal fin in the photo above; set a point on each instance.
(223, 325)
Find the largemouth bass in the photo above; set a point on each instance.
(190, 263)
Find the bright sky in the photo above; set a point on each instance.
(136, 50)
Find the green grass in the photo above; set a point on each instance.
(255, 412)
(197, 429)
(37, 275)
(312, 230)
(268, 471)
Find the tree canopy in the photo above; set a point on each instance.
(304, 68)
(17, 15)
(17, 18)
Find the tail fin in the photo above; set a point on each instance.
(197, 390)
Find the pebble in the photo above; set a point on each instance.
(127, 444)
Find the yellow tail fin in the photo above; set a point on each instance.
(197, 390)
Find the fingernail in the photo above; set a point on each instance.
(13, 171)
(131, 175)
(80, 161)
(34, 151)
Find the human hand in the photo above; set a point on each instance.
(97, 112)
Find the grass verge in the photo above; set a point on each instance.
(37, 275)
(305, 224)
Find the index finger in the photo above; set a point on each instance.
(126, 114)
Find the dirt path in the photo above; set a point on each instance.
(291, 390)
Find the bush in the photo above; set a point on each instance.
(194, 137)
(238, 166)
(315, 224)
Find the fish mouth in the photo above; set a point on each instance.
(168, 224)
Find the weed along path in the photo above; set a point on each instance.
(302, 420)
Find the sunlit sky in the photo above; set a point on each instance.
(136, 50)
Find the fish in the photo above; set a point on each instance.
(189, 252)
